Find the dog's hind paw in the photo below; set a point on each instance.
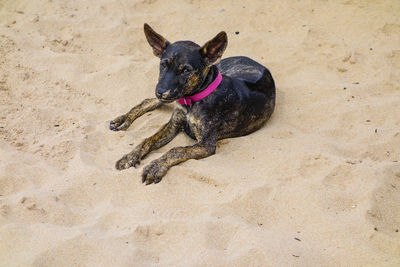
(153, 173)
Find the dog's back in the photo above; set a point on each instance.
(256, 76)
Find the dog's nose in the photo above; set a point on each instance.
(162, 93)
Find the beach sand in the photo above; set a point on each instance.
(318, 185)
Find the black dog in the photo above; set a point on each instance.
(210, 106)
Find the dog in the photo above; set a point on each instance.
(232, 98)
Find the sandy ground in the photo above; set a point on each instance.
(319, 184)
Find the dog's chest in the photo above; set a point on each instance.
(195, 125)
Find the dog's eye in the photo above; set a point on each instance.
(186, 69)
(164, 64)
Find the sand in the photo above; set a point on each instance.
(318, 185)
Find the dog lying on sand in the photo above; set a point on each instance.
(215, 101)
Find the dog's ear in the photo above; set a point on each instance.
(156, 41)
(213, 49)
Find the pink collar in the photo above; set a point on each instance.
(188, 100)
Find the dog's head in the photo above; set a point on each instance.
(184, 65)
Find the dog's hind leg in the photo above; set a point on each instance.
(159, 139)
(154, 172)
(123, 122)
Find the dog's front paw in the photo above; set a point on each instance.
(127, 161)
(153, 173)
(121, 123)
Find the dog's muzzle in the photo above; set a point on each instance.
(164, 96)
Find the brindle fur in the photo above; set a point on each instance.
(242, 103)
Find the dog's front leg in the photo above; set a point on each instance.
(154, 172)
(124, 121)
(159, 139)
